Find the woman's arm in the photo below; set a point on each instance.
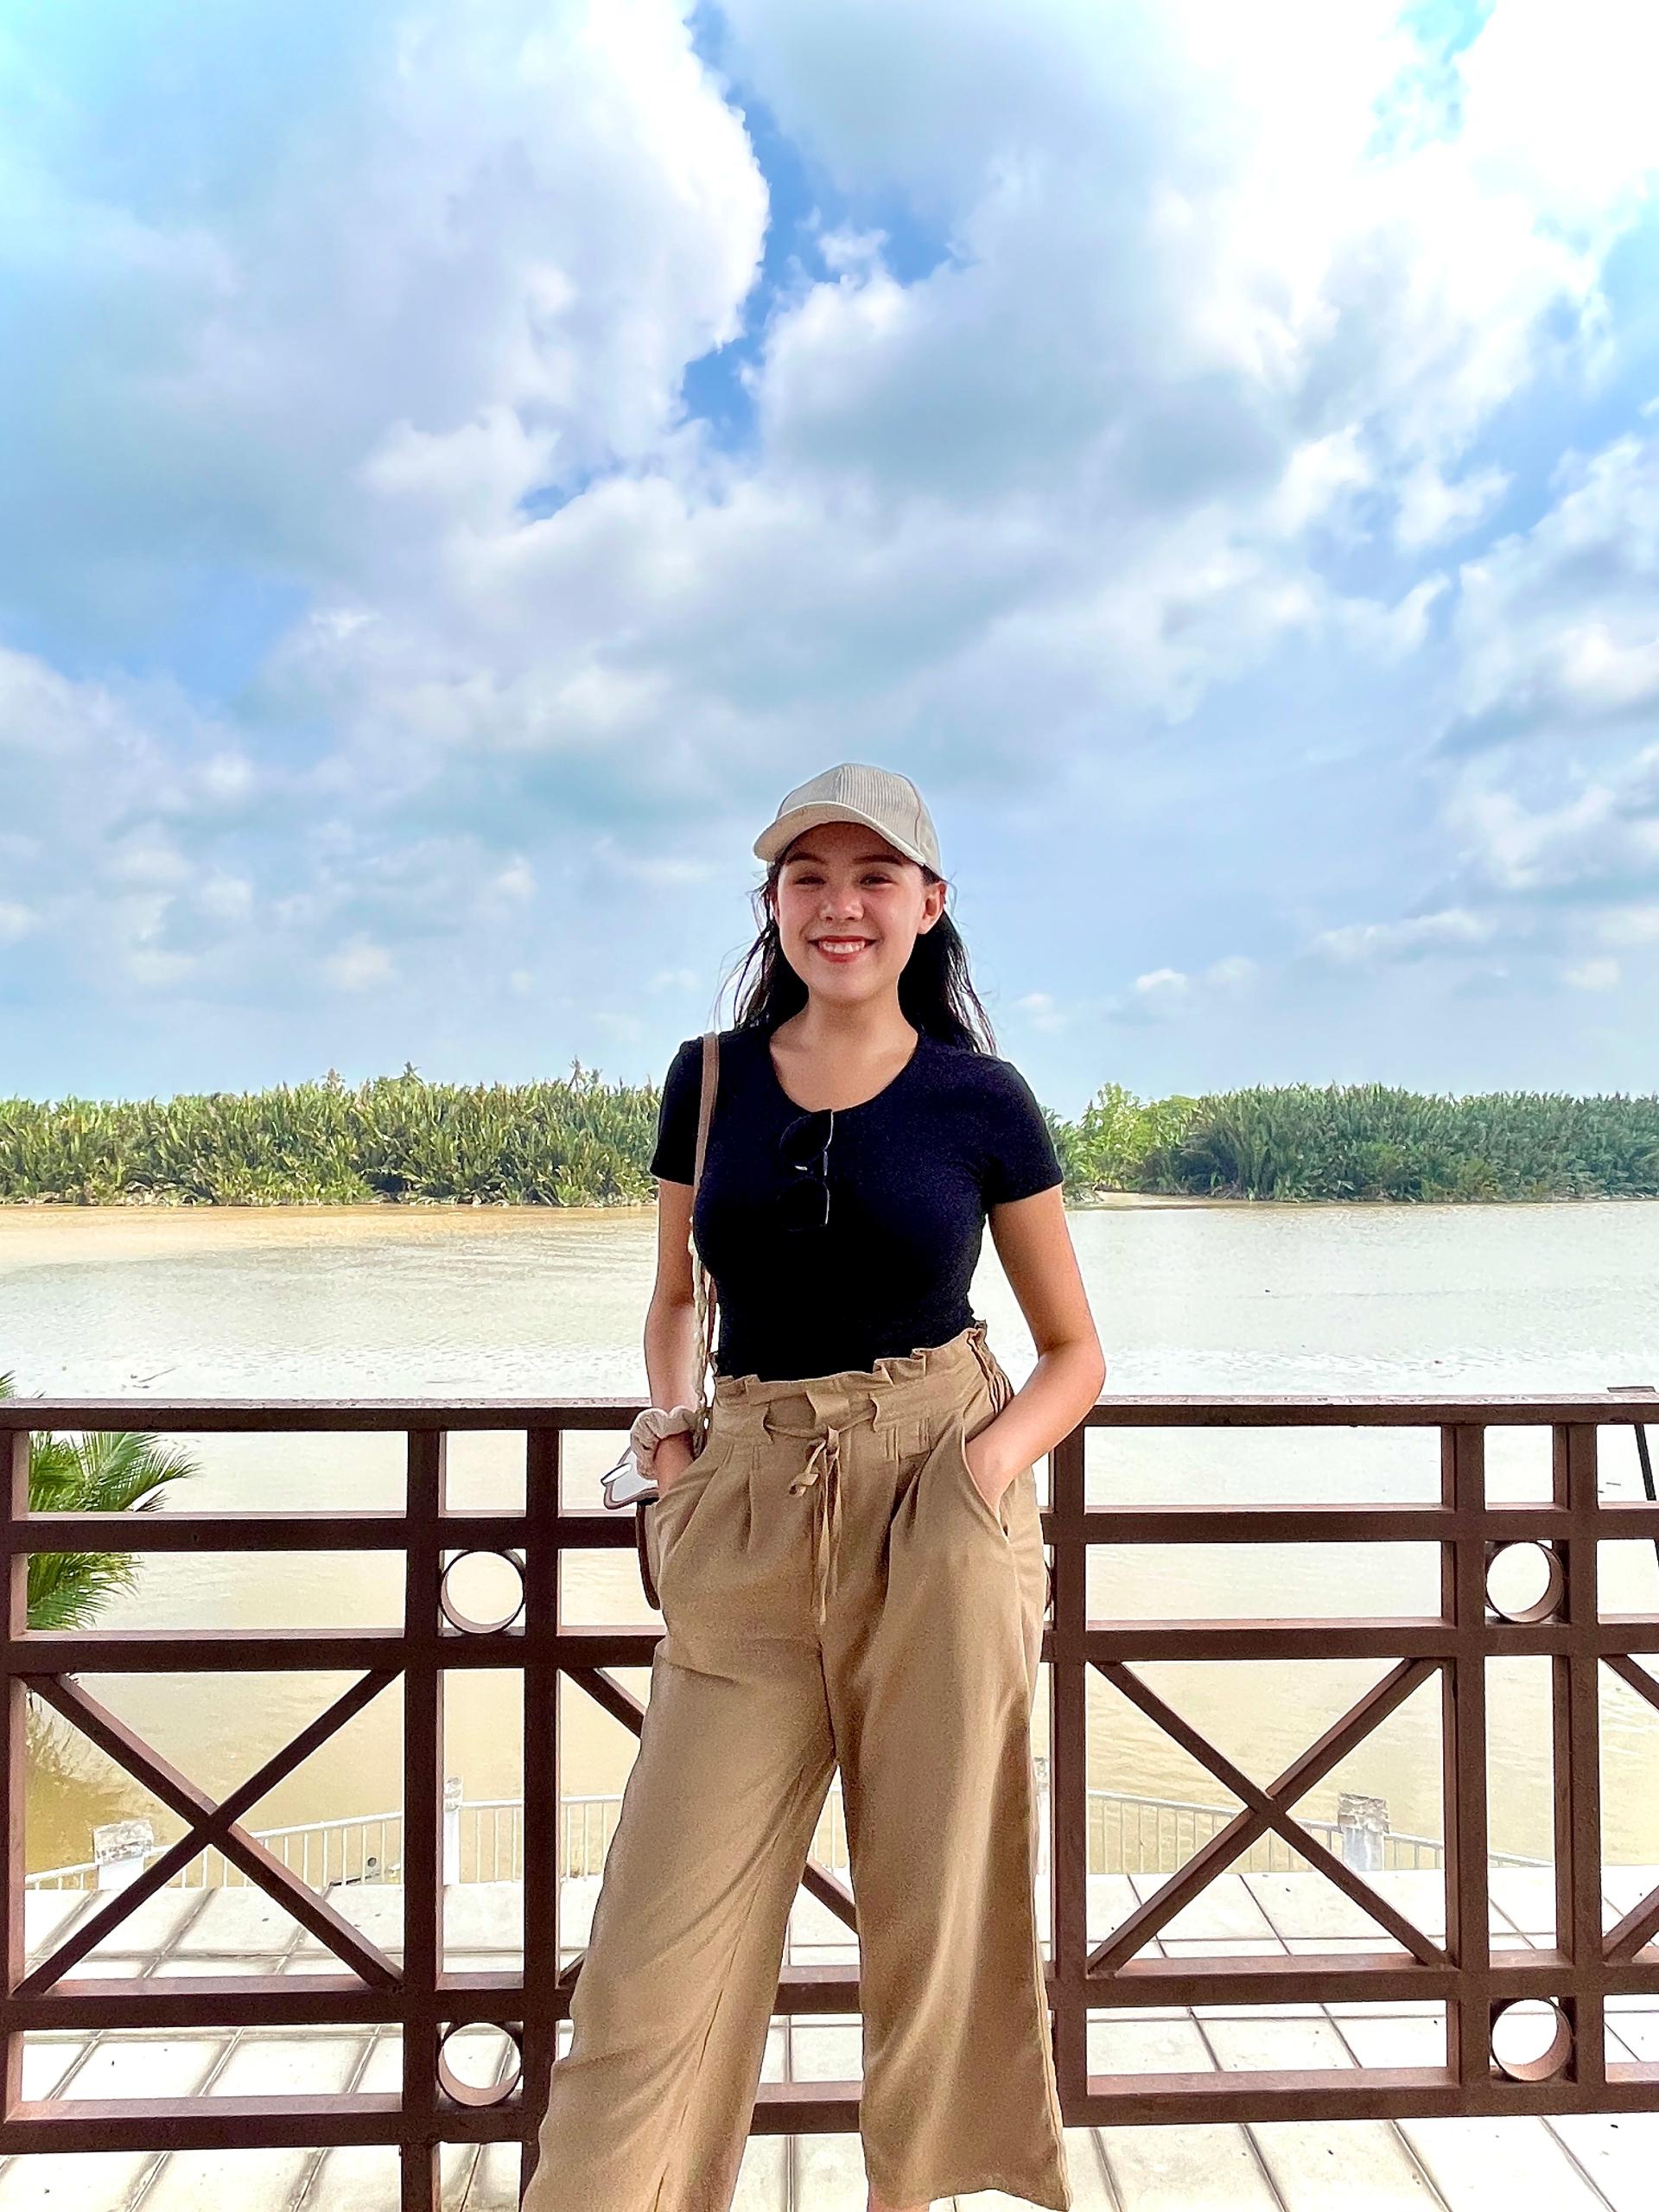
(672, 1325)
(1033, 1243)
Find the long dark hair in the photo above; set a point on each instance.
(935, 991)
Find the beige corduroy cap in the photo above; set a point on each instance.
(878, 798)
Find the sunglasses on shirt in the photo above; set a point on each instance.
(803, 1152)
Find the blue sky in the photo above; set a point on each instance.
(465, 465)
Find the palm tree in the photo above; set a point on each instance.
(91, 1474)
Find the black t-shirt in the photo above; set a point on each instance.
(911, 1172)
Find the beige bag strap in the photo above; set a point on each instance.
(705, 1289)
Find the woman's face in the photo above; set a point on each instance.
(842, 882)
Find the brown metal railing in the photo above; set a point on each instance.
(413, 1995)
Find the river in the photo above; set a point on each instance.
(1187, 1296)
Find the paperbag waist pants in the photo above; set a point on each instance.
(836, 1590)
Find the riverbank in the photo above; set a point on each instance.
(150, 1202)
(1091, 1202)
(41, 1234)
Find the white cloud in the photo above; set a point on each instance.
(1364, 944)
(473, 475)
(513, 885)
(1600, 838)
(1084, 461)
(1043, 1012)
(1333, 241)
(146, 856)
(1546, 772)
(1161, 996)
(1560, 109)
(1635, 924)
(1592, 975)
(1432, 508)
(1555, 625)
(227, 898)
(228, 777)
(358, 965)
(478, 261)
(153, 968)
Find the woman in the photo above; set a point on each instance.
(851, 1570)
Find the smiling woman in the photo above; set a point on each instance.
(851, 1567)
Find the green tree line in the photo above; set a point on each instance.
(580, 1141)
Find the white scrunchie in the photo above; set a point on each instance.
(652, 1425)
(648, 1432)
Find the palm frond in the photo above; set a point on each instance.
(94, 1473)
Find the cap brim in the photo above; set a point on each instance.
(779, 835)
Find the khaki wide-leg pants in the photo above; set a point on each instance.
(836, 1590)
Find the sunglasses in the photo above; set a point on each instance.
(803, 1152)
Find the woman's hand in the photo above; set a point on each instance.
(674, 1456)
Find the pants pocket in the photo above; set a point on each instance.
(669, 1515)
(956, 1442)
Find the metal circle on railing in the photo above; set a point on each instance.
(463, 1621)
(1517, 1607)
(1536, 2046)
(477, 2093)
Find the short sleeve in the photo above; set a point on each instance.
(1021, 1159)
(675, 1156)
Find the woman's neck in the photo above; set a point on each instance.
(850, 1036)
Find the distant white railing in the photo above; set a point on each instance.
(484, 1842)
(363, 1848)
(1154, 1835)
